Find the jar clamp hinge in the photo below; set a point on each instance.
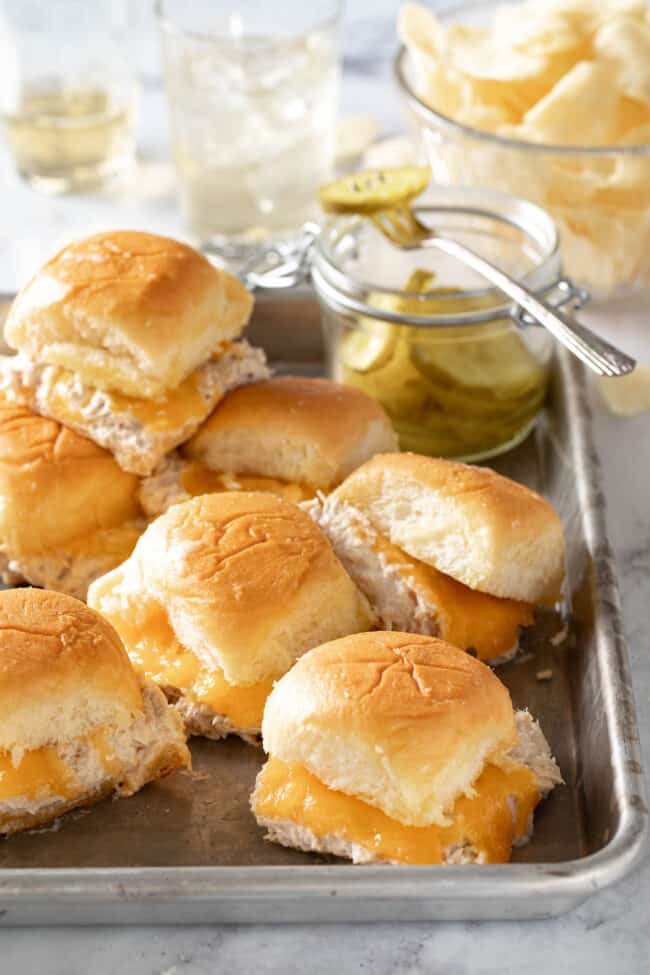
(565, 293)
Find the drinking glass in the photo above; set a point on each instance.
(67, 90)
(252, 89)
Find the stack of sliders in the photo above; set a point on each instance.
(399, 748)
(289, 435)
(76, 722)
(221, 595)
(446, 550)
(129, 340)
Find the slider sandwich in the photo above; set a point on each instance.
(131, 340)
(220, 596)
(445, 549)
(68, 512)
(399, 748)
(289, 435)
(76, 723)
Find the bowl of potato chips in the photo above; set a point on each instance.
(548, 100)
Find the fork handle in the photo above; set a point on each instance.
(595, 352)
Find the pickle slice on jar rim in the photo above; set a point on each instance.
(374, 190)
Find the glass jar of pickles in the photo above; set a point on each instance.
(461, 372)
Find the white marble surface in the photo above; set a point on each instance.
(607, 935)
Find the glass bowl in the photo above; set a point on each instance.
(599, 197)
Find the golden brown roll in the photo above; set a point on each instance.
(477, 526)
(68, 512)
(128, 312)
(402, 748)
(445, 549)
(76, 723)
(220, 596)
(290, 435)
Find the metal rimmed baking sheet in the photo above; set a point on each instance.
(187, 849)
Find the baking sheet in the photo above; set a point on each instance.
(187, 849)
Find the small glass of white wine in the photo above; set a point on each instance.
(68, 91)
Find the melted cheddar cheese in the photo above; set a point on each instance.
(467, 618)
(489, 821)
(197, 479)
(41, 773)
(155, 651)
(176, 409)
(118, 543)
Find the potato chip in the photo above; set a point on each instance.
(537, 33)
(445, 89)
(476, 54)
(580, 109)
(418, 27)
(512, 99)
(638, 136)
(613, 8)
(568, 186)
(631, 116)
(432, 78)
(625, 43)
(604, 247)
(591, 13)
(626, 185)
(479, 115)
(627, 395)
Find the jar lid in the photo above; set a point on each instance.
(354, 265)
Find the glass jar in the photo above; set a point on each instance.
(460, 372)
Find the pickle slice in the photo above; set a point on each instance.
(419, 280)
(368, 348)
(498, 366)
(394, 382)
(373, 342)
(374, 190)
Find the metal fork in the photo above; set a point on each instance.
(402, 227)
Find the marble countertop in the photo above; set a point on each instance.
(609, 934)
